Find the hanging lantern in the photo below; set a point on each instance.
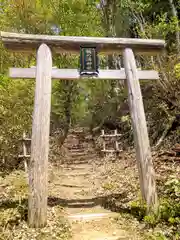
(88, 61)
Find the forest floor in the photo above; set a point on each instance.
(90, 198)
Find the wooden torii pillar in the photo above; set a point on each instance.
(43, 73)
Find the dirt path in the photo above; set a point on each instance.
(89, 220)
(75, 185)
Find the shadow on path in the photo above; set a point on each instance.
(107, 202)
(114, 202)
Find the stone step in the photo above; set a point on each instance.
(101, 235)
(77, 162)
(110, 238)
(75, 192)
(81, 167)
(76, 159)
(101, 227)
(76, 174)
(74, 181)
(70, 145)
(82, 171)
(70, 148)
(77, 154)
(79, 205)
(81, 154)
(80, 157)
(73, 186)
(78, 150)
(104, 236)
(92, 216)
(80, 160)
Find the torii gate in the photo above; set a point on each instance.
(43, 44)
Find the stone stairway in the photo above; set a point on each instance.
(75, 183)
(80, 148)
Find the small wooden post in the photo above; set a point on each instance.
(104, 142)
(143, 152)
(116, 141)
(24, 144)
(38, 167)
(25, 154)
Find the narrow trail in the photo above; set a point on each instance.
(75, 182)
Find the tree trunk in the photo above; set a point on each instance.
(174, 14)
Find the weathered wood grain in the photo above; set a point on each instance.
(73, 74)
(38, 167)
(143, 152)
(29, 42)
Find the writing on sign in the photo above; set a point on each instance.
(88, 61)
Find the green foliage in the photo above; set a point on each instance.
(3, 81)
(157, 236)
(138, 209)
(151, 220)
(16, 100)
(173, 188)
(177, 70)
(169, 210)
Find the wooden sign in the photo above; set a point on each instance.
(88, 61)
